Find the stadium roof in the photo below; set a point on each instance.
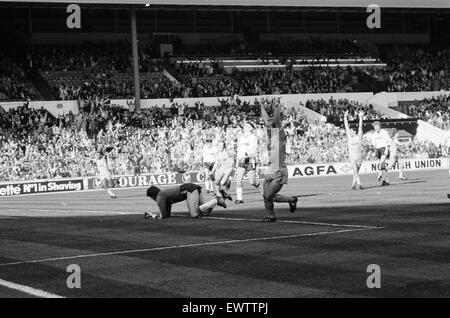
(271, 3)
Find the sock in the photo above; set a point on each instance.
(211, 185)
(218, 187)
(283, 198)
(208, 206)
(110, 192)
(207, 185)
(358, 180)
(239, 191)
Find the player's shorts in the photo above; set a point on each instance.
(382, 152)
(136, 170)
(281, 175)
(393, 160)
(208, 165)
(190, 187)
(248, 163)
(104, 175)
(223, 172)
(358, 161)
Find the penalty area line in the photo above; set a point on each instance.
(181, 246)
(183, 215)
(353, 226)
(28, 290)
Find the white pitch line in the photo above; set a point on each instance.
(357, 226)
(181, 246)
(86, 211)
(28, 290)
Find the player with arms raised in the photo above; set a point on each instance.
(276, 175)
(104, 175)
(354, 149)
(447, 147)
(246, 160)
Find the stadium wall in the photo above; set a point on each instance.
(164, 179)
(56, 108)
(391, 99)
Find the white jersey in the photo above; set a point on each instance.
(225, 159)
(102, 166)
(209, 153)
(354, 147)
(247, 145)
(381, 139)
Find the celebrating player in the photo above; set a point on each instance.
(394, 157)
(223, 169)
(381, 141)
(277, 174)
(246, 160)
(447, 147)
(104, 174)
(354, 149)
(209, 158)
(192, 193)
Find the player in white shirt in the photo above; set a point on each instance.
(247, 146)
(354, 149)
(222, 170)
(394, 156)
(209, 155)
(447, 147)
(381, 141)
(104, 174)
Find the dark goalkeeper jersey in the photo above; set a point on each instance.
(169, 196)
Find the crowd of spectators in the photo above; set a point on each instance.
(36, 145)
(412, 68)
(334, 109)
(106, 69)
(13, 82)
(434, 110)
(310, 80)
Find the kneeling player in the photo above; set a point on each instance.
(189, 192)
(277, 174)
(354, 149)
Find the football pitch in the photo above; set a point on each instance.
(322, 250)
